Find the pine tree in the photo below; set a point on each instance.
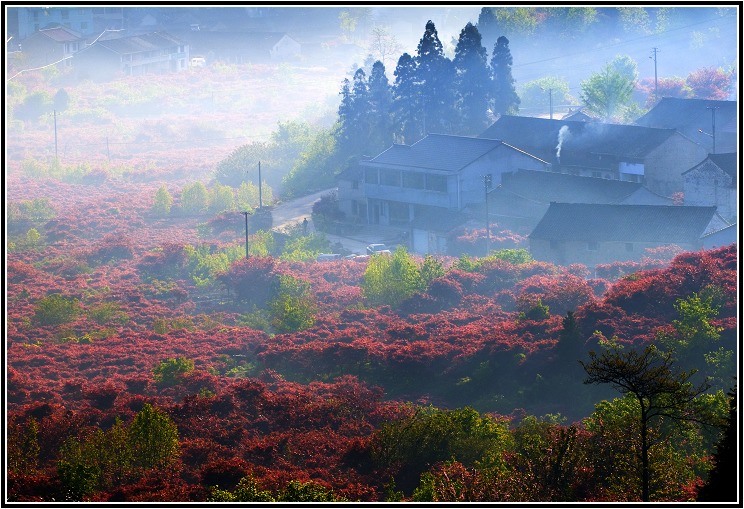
(435, 75)
(472, 81)
(407, 105)
(380, 102)
(504, 98)
(163, 202)
(353, 129)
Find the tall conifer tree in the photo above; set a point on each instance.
(473, 79)
(435, 74)
(407, 104)
(504, 98)
(380, 101)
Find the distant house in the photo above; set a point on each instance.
(578, 115)
(438, 173)
(593, 234)
(714, 182)
(654, 157)
(51, 45)
(525, 195)
(152, 53)
(721, 237)
(25, 21)
(239, 47)
(695, 119)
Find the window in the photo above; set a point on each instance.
(592, 246)
(355, 184)
(390, 177)
(83, 25)
(436, 183)
(355, 207)
(370, 176)
(629, 247)
(414, 180)
(65, 14)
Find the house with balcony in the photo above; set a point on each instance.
(651, 156)
(704, 121)
(419, 187)
(138, 55)
(592, 234)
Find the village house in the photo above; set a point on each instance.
(241, 47)
(653, 157)
(415, 186)
(593, 234)
(152, 53)
(523, 197)
(51, 45)
(704, 121)
(714, 182)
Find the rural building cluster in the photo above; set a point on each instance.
(589, 192)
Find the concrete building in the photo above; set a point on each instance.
(714, 182)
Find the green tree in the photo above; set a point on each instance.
(153, 438)
(247, 490)
(435, 76)
(473, 80)
(609, 93)
(316, 168)
(170, 371)
(693, 337)
(222, 199)
(354, 122)
(382, 43)
(294, 308)
(61, 100)
(55, 310)
(535, 95)
(311, 491)
(504, 98)
(163, 202)
(415, 444)
(407, 106)
(380, 104)
(391, 279)
(430, 269)
(650, 377)
(194, 198)
(23, 446)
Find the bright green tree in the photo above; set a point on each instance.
(55, 310)
(294, 307)
(391, 279)
(194, 198)
(153, 438)
(163, 202)
(170, 371)
(222, 199)
(609, 93)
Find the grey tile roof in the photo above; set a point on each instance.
(585, 144)
(545, 187)
(139, 43)
(60, 34)
(676, 113)
(623, 223)
(438, 152)
(726, 162)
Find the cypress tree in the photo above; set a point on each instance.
(407, 105)
(435, 74)
(504, 98)
(472, 81)
(380, 101)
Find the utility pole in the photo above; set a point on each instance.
(656, 78)
(550, 90)
(260, 188)
(246, 232)
(713, 113)
(487, 181)
(56, 157)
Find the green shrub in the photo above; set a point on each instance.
(170, 371)
(55, 310)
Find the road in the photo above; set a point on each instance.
(294, 211)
